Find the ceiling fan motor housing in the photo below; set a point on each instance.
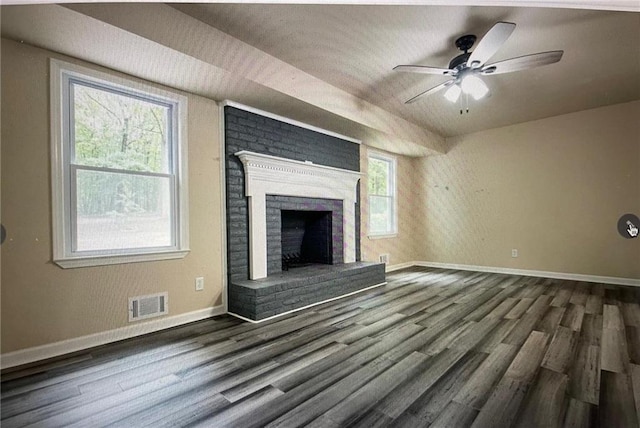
(459, 61)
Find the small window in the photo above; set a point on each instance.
(119, 169)
(382, 195)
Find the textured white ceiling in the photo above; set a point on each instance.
(355, 47)
(331, 65)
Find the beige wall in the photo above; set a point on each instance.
(42, 303)
(407, 245)
(553, 189)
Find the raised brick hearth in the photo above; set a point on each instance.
(297, 288)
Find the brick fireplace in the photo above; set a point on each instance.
(292, 215)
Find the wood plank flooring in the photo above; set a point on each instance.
(439, 348)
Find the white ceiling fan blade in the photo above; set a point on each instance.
(523, 62)
(430, 91)
(424, 69)
(490, 43)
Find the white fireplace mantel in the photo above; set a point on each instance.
(271, 175)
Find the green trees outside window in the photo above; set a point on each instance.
(381, 187)
(121, 162)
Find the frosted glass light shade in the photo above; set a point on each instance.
(453, 93)
(475, 87)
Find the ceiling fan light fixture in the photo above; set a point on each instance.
(465, 68)
(453, 93)
(474, 86)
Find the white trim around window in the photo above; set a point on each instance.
(391, 230)
(65, 78)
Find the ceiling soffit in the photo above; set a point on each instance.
(78, 35)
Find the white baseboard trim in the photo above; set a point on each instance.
(50, 350)
(391, 268)
(306, 307)
(524, 272)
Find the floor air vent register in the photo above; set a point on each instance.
(149, 306)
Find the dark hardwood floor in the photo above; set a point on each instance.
(437, 348)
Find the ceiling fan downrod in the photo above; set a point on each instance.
(464, 43)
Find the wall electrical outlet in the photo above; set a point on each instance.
(384, 258)
(199, 283)
(514, 253)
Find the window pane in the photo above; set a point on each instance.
(118, 131)
(380, 214)
(378, 177)
(121, 211)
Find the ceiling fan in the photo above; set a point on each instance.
(465, 69)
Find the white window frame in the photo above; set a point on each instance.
(63, 210)
(391, 160)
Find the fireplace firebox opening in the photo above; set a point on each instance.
(306, 238)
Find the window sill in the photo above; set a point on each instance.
(88, 261)
(384, 236)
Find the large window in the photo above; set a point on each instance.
(382, 195)
(119, 169)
